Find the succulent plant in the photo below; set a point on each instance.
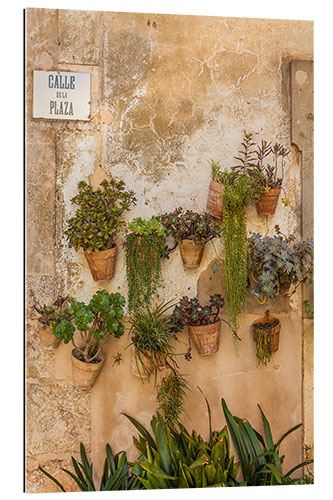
(191, 312)
(188, 225)
(99, 216)
(277, 262)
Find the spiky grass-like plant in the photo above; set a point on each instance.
(170, 398)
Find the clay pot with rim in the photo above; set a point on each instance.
(47, 337)
(214, 200)
(102, 263)
(268, 202)
(139, 370)
(206, 338)
(85, 374)
(267, 331)
(191, 252)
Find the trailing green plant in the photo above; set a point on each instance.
(175, 458)
(51, 316)
(236, 196)
(99, 216)
(259, 457)
(95, 322)
(117, 474)
(263, 331)
(277, 263)
(184, 224)
(170, 397)
(145, 247)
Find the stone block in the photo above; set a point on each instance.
(58, 418)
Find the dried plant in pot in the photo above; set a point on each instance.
(151, 333)
(50, 317)
(145, 247)
(203, 322)
(278, 265)
(96, 223)
(266, 332)
(95, 323)
(192, 231)
(214, 200)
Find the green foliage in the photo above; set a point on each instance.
(116, 473)
(152, 332)
(263, 342)
(96, 322)
(308, 308)
(174, 458)
(191, 312)
(188, 225)
(98, 218)
(236, 196)
(275, 263)
(53, 315)
(145, 247)
(258, 455)
(170, 398)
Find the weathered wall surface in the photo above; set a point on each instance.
(168, 94)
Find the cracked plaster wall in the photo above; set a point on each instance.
(168, 94)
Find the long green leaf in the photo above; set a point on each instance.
(303, 464)
(163, 445)
(52, 479)
(82, 486)
(236, 437)
(87, 469)
(287, 434)
(157, 471)
(209, 419)
(142, 430)
(275, 472)
(199, 461)
(267, 430)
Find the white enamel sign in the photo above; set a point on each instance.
(61, 95)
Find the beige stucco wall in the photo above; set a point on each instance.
(168, 94)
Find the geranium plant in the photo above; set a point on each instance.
(95, 322)
(99, 217)
(184, 224)
(278, 264)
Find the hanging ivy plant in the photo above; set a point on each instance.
(145, 247)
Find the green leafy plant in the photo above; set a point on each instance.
(145, 247)
(99, 216)
(308, 308)
(152, 332)
(170, 397)
(258, 455)
(264, 335)
(176, 458)
(95, 322)
(51, 316)
(277, 263)
(188, 225)
(117, 473)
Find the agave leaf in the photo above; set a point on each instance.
(237, 438)
(52, 479)
(142, 430)
(210, 472)
(199, 461)
(157, 471)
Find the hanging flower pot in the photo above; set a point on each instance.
(85, 374)
(268, 202)
(206, 338)
(102, 263)
(142, 364)
(47, 337)
(214, 200)
(191, 252)
(266, 332)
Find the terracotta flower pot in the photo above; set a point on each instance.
(47, 337)
(102, 263)
(268, 202)
(206, 338)
(266, 334)
(85, 374)
(191, 252)
(139, 370)
(214, 200)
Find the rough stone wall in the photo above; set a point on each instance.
(168, 94)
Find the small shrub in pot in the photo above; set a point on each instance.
(191, 230)
(96, 223)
